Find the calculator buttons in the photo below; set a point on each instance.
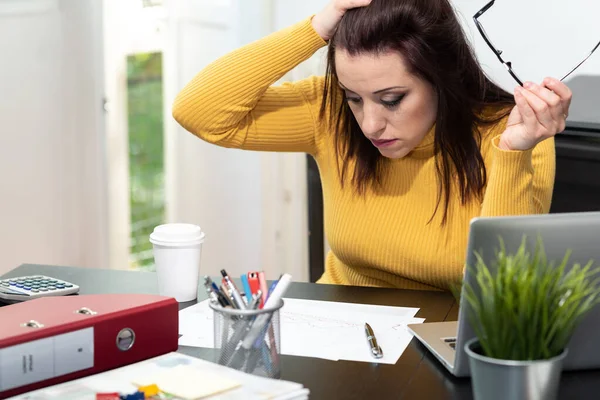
(28, 287)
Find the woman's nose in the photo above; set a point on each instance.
(373, 122)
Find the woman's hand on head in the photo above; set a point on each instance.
(540, 113)
(327, 20)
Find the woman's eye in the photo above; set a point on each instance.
(392, 103)
(353, 99)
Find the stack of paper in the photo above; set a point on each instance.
(320, 329)
(182, 377)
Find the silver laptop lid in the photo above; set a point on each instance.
(577, 232)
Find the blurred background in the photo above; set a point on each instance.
(92, 160)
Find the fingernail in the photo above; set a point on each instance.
(528, 85)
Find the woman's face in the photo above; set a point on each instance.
(394, 108)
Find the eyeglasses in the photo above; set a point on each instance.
(498, 53)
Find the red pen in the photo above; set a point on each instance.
(253, 282)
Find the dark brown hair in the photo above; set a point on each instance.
(430, 38)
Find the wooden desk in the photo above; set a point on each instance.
(416, 375)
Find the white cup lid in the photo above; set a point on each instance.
(177, 233)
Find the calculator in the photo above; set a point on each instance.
(33, 287)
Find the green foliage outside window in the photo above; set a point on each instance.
(146, 165)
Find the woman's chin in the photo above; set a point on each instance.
(394, 154)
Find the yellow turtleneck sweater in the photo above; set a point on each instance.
(382, 238)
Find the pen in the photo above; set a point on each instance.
(223, 300)
(263, 287)
(273, 285)
(235, 294)
(254, 303)
(253, 281)
(263, 320)
(214, 298)
(227, 295)
(375, 348)
(246, 286)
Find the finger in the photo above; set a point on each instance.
(348, 4)
(561, 90)
(541, 109)
(514, 118)
(553, 100)
(527, 113)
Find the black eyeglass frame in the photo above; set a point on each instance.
(498, 53)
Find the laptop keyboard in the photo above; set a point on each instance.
(451, 341)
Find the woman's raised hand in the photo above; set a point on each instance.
(540, 113)
(327, 20)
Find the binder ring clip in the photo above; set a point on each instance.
(32, 324)
(125, 339)
(86, 311)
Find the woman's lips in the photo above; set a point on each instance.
(384, 143)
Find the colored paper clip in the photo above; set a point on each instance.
(108, 396)
(149, 390)
(134, 396)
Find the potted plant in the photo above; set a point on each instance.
(523, 311)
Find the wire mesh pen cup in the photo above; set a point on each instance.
(248, 340)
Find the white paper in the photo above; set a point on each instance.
(320, 329)
(125, 380)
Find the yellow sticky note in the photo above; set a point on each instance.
(149, 390)
(190, 383)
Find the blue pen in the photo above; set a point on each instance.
(222, 298)
(271, 289)
(246, 286)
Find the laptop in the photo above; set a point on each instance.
(579, 232)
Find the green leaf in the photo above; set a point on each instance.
(522, 306)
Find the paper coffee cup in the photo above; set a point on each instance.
(177, 252)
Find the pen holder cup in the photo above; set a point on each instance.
(248, 340)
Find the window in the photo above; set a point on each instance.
(146, 165)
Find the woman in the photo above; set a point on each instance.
(411, 138)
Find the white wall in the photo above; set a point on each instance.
(51, 153)
(541, 38)
(218, 189)
(287, 13)
(252, 205)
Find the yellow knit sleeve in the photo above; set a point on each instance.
(520, 182)
(233, 101)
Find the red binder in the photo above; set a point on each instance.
(56, 339)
